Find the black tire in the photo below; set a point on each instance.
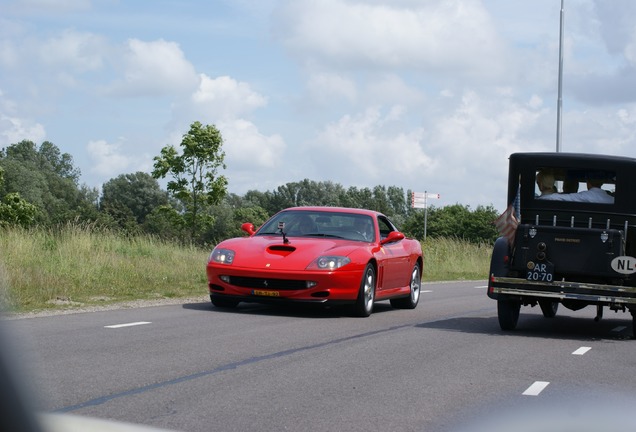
(549, 308)
(508, 313)
(366, 294)
(411, 301)
(223, 302)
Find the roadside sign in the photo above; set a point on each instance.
(418, 199)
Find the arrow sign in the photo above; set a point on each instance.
(418, 199)
(424, 195)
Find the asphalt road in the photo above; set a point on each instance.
(444, 366)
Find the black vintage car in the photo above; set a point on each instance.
(573, 238)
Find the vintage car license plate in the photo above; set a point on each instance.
(541, 272)
(266, 293)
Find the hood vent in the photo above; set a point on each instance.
(281, 249)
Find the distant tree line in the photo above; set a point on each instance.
(39, 186)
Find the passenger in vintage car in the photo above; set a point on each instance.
(545, 182)
(593, 194)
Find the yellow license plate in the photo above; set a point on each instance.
(266, 293)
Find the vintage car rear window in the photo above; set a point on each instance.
(575, 185)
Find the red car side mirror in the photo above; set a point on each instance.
(393, 236)
(248, 227)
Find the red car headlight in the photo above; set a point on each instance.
(222, 256)
(328, 262)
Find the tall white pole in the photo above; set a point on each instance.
(425, 213)
(560, 98)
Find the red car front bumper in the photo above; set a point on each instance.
(249, 285)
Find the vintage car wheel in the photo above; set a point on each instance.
(224, 303)
(411, 301)
(549, 308)
(508, 313)
(366, 295)
(498, 263)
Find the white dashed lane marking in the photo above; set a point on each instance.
(114, 326)
(536, 388)
(581, 350)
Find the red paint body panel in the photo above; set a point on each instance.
(265, 263)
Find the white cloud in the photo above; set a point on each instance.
(246, 148)
(629, 49)
(9, 54)
(452, 35)
(392, 89)
(361, 148)
(228, 104)
(325, 88)
(482, 129)
(598, 130)
(80, 51)
(225, 97)
(14, 128)
(155, 68)
(108, 159)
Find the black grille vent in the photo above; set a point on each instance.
(260, 283)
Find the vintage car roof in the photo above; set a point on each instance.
(548, 158)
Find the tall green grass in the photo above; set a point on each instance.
(77, 265)
(448, 259)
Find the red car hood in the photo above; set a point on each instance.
(272, 253)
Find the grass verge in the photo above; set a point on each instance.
(79, 266)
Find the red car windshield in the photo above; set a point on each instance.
(305, 223)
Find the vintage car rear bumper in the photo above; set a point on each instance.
(562, 290)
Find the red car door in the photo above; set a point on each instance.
(394, 257)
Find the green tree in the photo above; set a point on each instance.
(195, 179)
(165, 222)
(129, 198)
(45, 178)
(61, 164)
(461, 222)
(14, 210)
(398, 202)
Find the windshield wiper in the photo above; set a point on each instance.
(323, 235)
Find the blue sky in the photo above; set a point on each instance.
(428, 95)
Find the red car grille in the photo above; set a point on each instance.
(279, 284)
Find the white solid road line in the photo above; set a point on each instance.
(582, 350)
(128, 324)
(536, 388)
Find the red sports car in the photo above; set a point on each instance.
(325, 255)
